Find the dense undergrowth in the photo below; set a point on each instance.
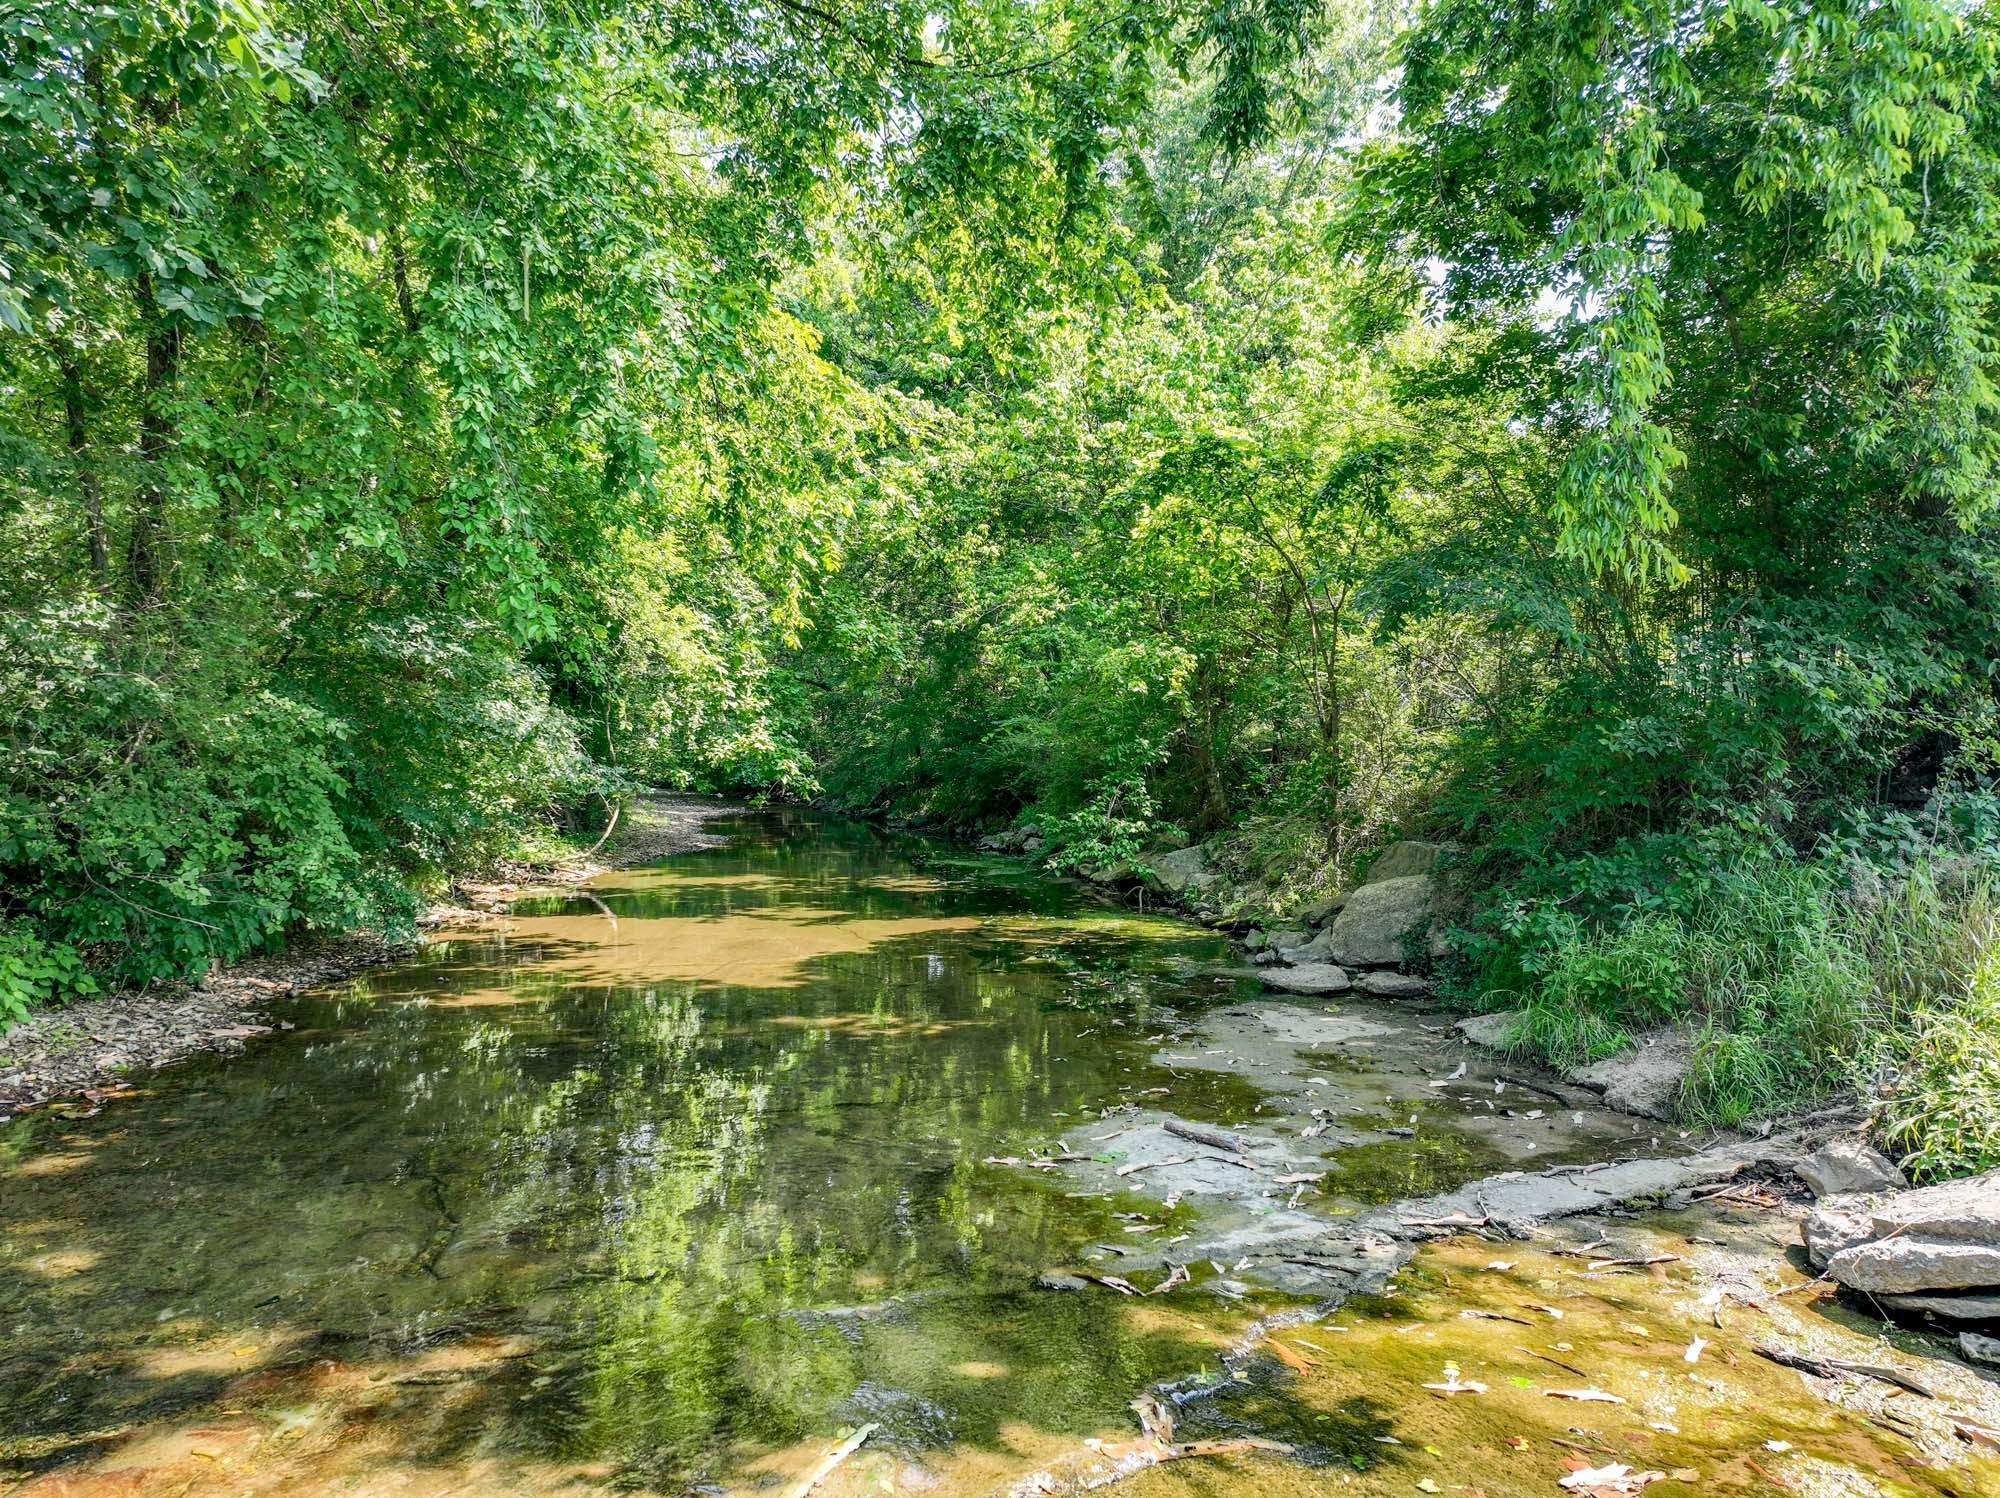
(1800, 984)
(1565, 431)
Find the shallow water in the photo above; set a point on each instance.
(665, 1189)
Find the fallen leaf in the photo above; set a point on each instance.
(1978, 1435)
(1428, 1485)
(1615, 1477)
(1452, 1385)
(1138, 1165)
(1291, 1357)
(1519, 1443)
(1693, 1353)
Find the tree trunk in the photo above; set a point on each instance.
(87, 482)
(164, 346)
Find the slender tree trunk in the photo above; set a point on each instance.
(89, 486)
(164, 348)
(399, 274)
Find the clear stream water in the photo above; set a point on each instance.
(664, 1189)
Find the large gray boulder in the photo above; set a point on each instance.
(1184, 872)
(1494, 1031)
(1313, 977)
(1966, 1211)
(1402, 860)
(1647, 1079)
(1910, 1266)
(1372, 925)
(1845, 1165)
(1912, 1243)
(1386, 985)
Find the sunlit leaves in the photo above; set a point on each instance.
(1647, 165)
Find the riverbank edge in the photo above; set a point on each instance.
(90, 1050)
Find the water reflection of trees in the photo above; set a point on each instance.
(721, 1216)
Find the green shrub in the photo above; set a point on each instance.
(1595, 988)
(1934, 1057)
(1941, 1110)
(165, 806)
(33, 971)
(1804, 980)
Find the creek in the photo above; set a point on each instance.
(682, 1177)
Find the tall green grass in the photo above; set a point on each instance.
(1797, 988)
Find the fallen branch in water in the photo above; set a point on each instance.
(1138, 1165)
(1114, 1461)
(1558, 1362)
(833, 1459)
(1834, 1367)
(1597, 1264)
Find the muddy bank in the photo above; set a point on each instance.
(85, 1052)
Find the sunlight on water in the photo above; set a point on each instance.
(677, 1182)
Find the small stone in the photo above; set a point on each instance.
(1976, 1348)
(1055, 1281)
(1845, 1165)
(1494, 1031)
(1319, 949)
(1646, 1080)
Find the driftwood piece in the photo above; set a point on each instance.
(1114, 1461)
(1834, 1367)
(1213, 1138)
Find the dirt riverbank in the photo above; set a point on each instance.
(81, 1054)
